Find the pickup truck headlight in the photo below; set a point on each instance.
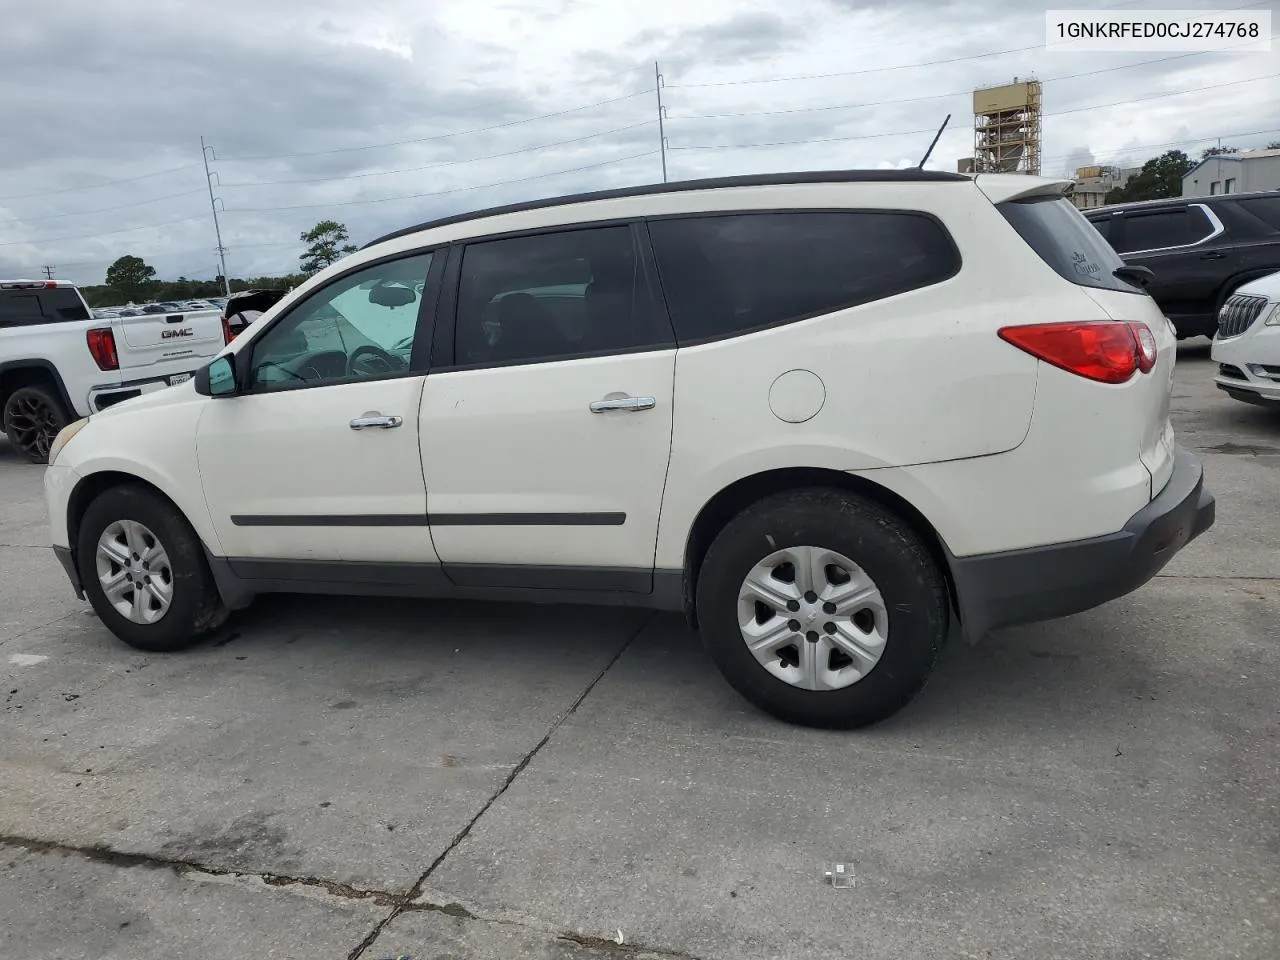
(1274, 319)
(64, 437)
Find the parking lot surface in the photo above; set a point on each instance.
(373, 778)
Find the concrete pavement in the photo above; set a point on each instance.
(371, 778)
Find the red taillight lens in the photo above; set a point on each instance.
(102, 345)
(227, 335)
(1104, 350)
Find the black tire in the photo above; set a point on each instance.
(195, 609)
(33, 415)
(886, 548)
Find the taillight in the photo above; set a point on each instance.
(102, 346)
(227, 335)
(1108, 351)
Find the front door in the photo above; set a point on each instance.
(316, 458)
(545, 447)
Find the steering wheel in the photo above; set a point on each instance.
(378, 361)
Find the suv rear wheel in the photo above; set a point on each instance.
(144, 571)
(33, 416)
(822, 608)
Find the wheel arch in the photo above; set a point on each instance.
(15, 374)
(737, 496)
(89, 488)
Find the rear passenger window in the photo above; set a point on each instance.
(1166, 228)
(553, 296)
(725, 275)
(19, 309)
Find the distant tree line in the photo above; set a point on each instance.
(1161, 176)
(132, 280)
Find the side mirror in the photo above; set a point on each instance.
(218, 379)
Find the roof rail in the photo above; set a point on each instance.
(911, 175)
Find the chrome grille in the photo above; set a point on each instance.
(1238, 314)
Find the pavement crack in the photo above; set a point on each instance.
(416, 890)
(100, 853)
(603, 944)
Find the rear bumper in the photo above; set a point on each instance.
(102, 397)
(1043, 583)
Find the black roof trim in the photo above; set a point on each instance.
(912, 175)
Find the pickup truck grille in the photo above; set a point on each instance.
(1238, 314)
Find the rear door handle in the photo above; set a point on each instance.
(626, 404)
(381, 423)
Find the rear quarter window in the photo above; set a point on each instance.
(1067, 242)
(729, 274)
(1266, 209)
(26, 307)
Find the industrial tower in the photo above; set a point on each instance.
(1006, 128)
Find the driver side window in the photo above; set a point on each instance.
(360, 326)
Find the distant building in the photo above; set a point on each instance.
(1092, 184)
(1233, 173)
(964, 165)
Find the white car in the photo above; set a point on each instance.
(1247, 344)
(821, 414)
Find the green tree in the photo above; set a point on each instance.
(1159, 177)
(326, 244)
(1208, 152)
(131, 277)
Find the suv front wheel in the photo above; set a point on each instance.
(144, 571)
(822, 608)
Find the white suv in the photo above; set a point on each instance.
(822, 414)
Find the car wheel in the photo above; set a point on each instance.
(144, 571)
(822, 608)
(33, 416)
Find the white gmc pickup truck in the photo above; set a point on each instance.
(58, 364)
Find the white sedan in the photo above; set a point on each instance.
(1247, 344)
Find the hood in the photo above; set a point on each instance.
(1268, 286)
(182, 393)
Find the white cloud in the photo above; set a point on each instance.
(310, 85)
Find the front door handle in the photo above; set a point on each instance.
(1212, 255)
(381, 423)
(627, 404)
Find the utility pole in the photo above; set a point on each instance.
(662, 115)
(48, 271)
(213, 205)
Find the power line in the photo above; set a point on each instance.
(443, 136)
(441, 193)
(936, 96)
(94, 236)
(1058, 113)
(122, 206)
(447, 163)
(1167, 143)
(105, 183)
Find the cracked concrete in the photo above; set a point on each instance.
(375, 779)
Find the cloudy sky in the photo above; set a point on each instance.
(383, 113)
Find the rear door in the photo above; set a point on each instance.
(1179, 244)
(160, 342)
(1061, 235)
(545, 444)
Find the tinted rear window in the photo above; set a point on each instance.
(1067, 242)
(22, 307)
(1266, 209)
(725, 275)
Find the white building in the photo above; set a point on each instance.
(1233, 173)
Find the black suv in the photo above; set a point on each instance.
(1199, 248)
